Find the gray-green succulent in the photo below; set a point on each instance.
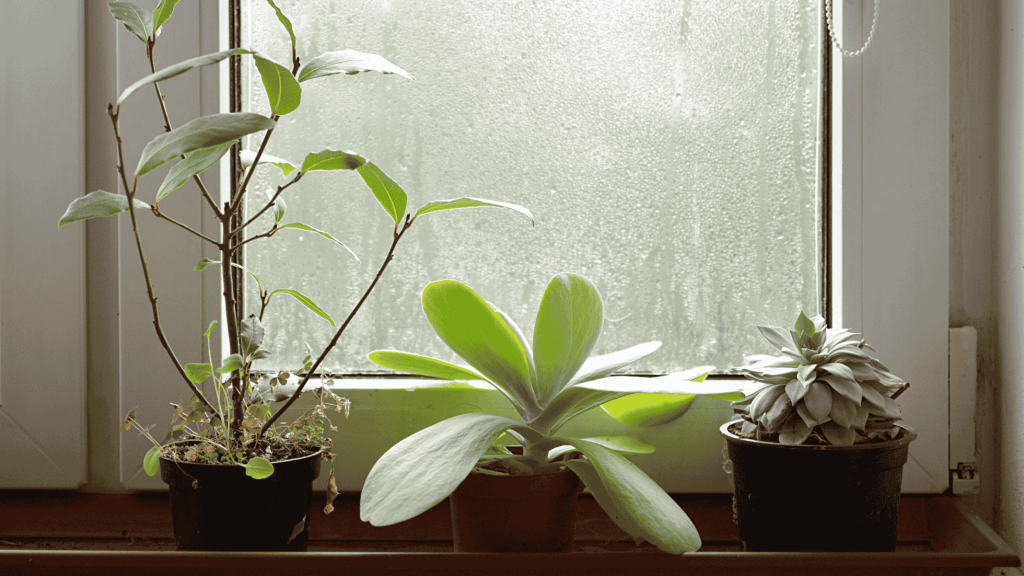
(827, 387)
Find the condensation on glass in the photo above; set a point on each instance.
(669, 151)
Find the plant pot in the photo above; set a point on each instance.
(515, 513)
(219, 507)
(817, 498)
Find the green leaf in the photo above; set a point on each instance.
(301, 226)
(203, 264)
(482, 337)
(198, 373)
(687, 382)
(332, 160)
(179, 68)
(202, 132)
(259, 468)
(162, 12)
(231, 363)
(647, 410)
(97, 204)
(348, 62)
(569, 404)
(279, 209)
(818, 401)
(284, 21)
(151, 462)
(623, 443)
(804, 325)
(305, 301)
(422, 365)
(283, 90)
(466, 202)
(251, 335)
(633, 501)
(138, 21)
(425, 468)
(248, 156)
(390, 195)
(209, 330)
(600, 366)
(568, 325)
(196, 162)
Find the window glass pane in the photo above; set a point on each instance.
(669, 151)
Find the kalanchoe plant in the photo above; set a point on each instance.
(548, 384)
(235, 424)
(826, 388)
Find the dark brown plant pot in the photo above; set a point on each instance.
(515, 513)
(817, 498)
(219, 507)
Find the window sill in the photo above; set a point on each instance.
(46, 532)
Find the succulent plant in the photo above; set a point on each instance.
(826, 388)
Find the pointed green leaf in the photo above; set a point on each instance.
(568, 325)
(687, 382)
(846, 388)
(332, 160)
(202, 132)
(804, 325)
(623, 443)
(818, 401)
(251, 335)
(600, 366)
(467, 202)
(151, 462)
(138, 21)
(198, 373)
(203, 264)
(209, 330)
(162, 12)
(244, 269)
(390, 195)
(422, 365)
(647, 410)
(775, 336)
(301, 226)
(259, 468)
(179, 68)
(97, 204)
(283, 90)
(569, 404)
(844, 411)
(634, 502)
(348, 62)
(425, 468)
(482, 337)
(279, 209)
(305, 301)
(284, 21)
(248, 156)
(196, 162)
(231, 363)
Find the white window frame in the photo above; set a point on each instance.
(890, 265)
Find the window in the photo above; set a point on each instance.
(668, 150)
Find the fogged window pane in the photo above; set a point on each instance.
(667, 149)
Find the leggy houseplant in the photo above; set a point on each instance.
(231, 423)
(823, 430)
(548, 384)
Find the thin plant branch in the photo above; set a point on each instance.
(269, 204)
(159, 214)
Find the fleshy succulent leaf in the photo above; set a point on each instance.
(568, 326)
(422, 365)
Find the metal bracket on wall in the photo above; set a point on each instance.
(963, 383)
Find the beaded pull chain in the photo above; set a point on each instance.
(832, 33)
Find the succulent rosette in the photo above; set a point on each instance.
(827, 387)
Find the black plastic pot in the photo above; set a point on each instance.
(817, 498)
(219, 507)
(515, 513)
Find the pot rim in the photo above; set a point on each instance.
(318, 453)
(909, 434)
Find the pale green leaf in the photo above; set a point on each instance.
(422, 365)
(162, 12)
(467, 202)
(570, 403)
(179, 68)
(844, 411)
(332, 160)
(818, 401)
(634, 502)
(623, 443)
(600, 366)
(348, 62)
(202, 132)
(838, 435)
(846, 388)
(97, 204)
(482, 337)
(231, 363)
(279, 209)
(804, 325)
(688, 382)
(307, 228)
(388, 193)
(138, 21)
(284, 21)
(259, 468)
(151, 462)
(568, 326)
(283, 89)
(647, 410)
(198, 373)
(794, 432)
(248, 156)
(209, 330)
(426, 467)
(251, 335)
(203, 264)
(196, 162)
(305, 301)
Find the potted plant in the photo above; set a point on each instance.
(817, 456)
(239, 478)
(524, 500)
